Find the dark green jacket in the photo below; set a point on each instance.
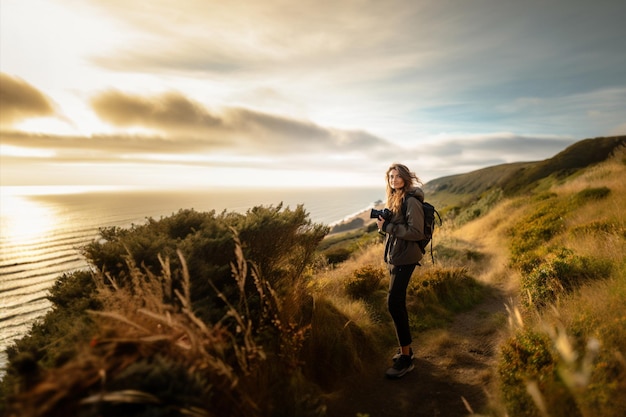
(404, 230)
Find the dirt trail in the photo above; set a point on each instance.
(453, 367)
(449, 367)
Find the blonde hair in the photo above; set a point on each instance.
(395, 197)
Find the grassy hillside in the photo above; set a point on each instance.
(522, 176)
(558, 245)
(476, 182)
(566, 247)
(202, 314)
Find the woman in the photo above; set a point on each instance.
(403, 229)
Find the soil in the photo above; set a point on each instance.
(454, 368)
(452, 375)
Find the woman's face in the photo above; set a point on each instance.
(395, 181)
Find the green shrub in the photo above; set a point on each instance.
(143, 262)
(591, 194)
(340, 239)
(558, 274)
(474, 255)
(527, 359)
(536, 228)
(599, 227)
(437, 293)
(453, 287)
(282, 243)
(335, 346)
(337, 255)
(529, 261)
(479, 207)
(546, 195)
(74, 291)
(340, 247)
(143, 356)
(448, 252)
(364, 281)
(596, 323)
(56, 337)
(355, 223)
(524, 357)
(159, 377)
(372, 228)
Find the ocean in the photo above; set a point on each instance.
(42, 230)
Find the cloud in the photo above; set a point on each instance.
(317, 84)
(449, 155)
(37, 158)
(507, 146)
(20, 100)
(178, 131)
(455, 154)
(186, 133)
(169, 111)
(240, 36)
(102, 147)
(391, 68)
(242, 130)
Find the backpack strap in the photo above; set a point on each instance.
(432, 256)
(406, 197)
(432, 237)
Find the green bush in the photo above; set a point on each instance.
(141, 355)
(457, 255)
(335, 346)
(55, 338)
(546, 195)
(437, 293)
(479, 207)
(355, 223)
(536, 228)
(558, 274)
(591, 194)
(144, 263)
(282, 243)
(337, 255)
(340, 247)
(527, 359)
(364, 281)
(597, 228)
(452, 287)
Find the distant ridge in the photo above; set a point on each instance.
(522, 176)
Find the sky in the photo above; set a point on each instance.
(303, 93)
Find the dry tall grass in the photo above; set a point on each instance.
(584, 329)
(149, 357)
(330, 284)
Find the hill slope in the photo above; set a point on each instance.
(522, 176)
(563, 296)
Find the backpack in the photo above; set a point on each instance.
(429, 224)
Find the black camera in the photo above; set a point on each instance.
(385, 214)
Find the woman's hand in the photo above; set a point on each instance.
(380, 223)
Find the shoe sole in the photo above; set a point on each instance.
(396, 356)
(400, 375)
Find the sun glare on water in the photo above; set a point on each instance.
(23, 220)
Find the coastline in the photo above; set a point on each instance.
(355, 221)
(44, 227)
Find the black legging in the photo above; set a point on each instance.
(396, 301)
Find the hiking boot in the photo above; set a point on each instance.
(402, 366)
(399, 352)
